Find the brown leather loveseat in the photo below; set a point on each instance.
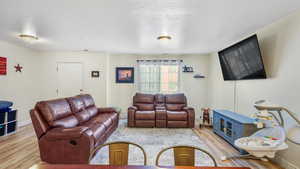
(69, 129)
(160, 111)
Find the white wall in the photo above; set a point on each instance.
(195, 89)
(38, 81)
(90, 60)
(279, 44)
(21, 88)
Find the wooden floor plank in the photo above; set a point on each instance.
(20, 150)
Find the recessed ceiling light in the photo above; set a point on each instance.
(28, 38)
(164, 37)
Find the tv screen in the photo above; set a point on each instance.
(242, 61)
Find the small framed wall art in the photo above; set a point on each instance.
(3, 65)
(124, 75)
(95, 74)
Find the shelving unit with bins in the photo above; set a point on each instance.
(8, 122)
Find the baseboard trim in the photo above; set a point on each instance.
(24, 123)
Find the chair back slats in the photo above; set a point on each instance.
(184, 156)
(118, 154)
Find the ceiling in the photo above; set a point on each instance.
(132, 26)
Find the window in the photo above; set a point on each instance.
(159, 76)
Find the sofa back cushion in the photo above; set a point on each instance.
(78, 108)
(57, 113)
(175, 98)
(144, 101)
(143, 98)
(89, 104)
(144, 107)
(175, 101)
(76, 104)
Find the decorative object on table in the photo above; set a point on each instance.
(95, 74)
(124, 75)
(18, 68)
(8, 122)
(3, 66)
(187, 69)
(232, 126)
(199, 76)
(206, 118)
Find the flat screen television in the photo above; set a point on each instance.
(242, 61)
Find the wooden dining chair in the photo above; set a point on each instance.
(184, 155)
(118, 152)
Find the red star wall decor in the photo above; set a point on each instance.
(18, 68)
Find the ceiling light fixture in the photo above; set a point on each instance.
(28, 38)
(164, 37)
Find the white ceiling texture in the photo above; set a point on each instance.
(132, 26)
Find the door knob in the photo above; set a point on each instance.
(81, 90)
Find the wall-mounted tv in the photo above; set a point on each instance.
(242, 61)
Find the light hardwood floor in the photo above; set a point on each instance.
(20, 150)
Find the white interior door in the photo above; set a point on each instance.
(70, 79)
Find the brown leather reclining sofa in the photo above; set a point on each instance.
(160, 111)
(69, 129)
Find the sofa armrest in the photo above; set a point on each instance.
(131, 115)
(133, 108)
(188, 109)
(107, 110)
(66, 133)
(67, 145)
(191, 116)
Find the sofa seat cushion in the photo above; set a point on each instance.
(177, 115)
(92, 110)
(145, 123)
(103, 118)
(145, 115)
(83, 116)
(98, 129)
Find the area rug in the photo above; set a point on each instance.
(153, 140)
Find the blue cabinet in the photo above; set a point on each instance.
(232, 126)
